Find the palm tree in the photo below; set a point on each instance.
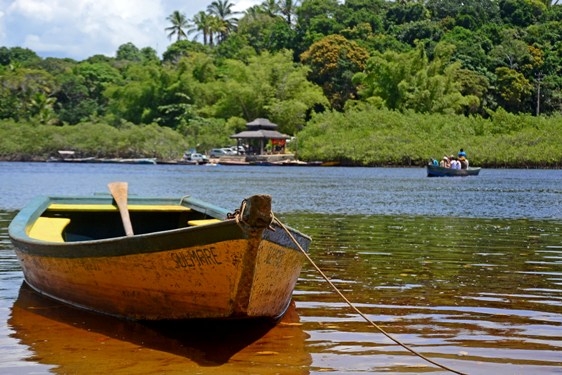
(218, 27)
(222, 9)
(284, 8)
(201, 24)
(288, 9)
(253, 12)
(41, 106)
(179, 24)
(271, 7)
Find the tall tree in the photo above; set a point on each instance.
(268, 85)
(521, 13)
(222, 9)
(41, 107)
(411, 81)
(265, 32)
(288, 9)
(311, 9)
(74, 103)
(315, 20)
(129, 52)
(270, 7)
(512, 52)
(216, 28)
(179, 24)
(201, 24)
(470, 14)
(19, 90)
(279, 8)
(513, 89)
(18, 55)
(333, 61)
(177, 50)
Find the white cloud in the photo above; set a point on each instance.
(83, 28)
(242, 5)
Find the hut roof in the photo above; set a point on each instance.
(261, 134)
(261, 123)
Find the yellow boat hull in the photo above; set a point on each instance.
(179, 284)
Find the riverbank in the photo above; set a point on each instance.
(369, 138)
(343, 163)
(417, 163)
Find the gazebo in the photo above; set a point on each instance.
(258, 133)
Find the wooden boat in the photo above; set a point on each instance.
(128, 161)
(103, 160)
(437, 171)
(187, 259)
(69, 156)
(294, 163)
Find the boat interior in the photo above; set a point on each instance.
(81, 222)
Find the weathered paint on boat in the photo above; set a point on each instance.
(437, 171)
(221, 268)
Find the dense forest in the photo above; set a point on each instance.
(363, 82)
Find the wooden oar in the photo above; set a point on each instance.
(119, 192)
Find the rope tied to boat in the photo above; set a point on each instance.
(260, 223)
(350, 304)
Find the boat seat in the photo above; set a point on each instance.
(49, 229)
(202, 222)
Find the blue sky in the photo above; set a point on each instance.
(82, 28)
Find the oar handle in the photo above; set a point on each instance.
(119, 191)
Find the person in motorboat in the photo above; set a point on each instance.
(455, 163)
(462, 158)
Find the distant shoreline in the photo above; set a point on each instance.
(140, 160)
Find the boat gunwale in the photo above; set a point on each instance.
(439, 171)
(153, 242)
(19, 229)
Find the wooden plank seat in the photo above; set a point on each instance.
(203, 222)
(49, 229)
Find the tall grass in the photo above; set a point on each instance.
(26, 141)
(381, 137)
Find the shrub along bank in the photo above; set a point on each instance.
(355, 138)
(29, 142)
(386, 138)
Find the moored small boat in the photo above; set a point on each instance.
(159, 258)
(437, 171)
(129, 161)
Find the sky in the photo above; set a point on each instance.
(79, 29)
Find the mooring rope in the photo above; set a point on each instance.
(380, 329)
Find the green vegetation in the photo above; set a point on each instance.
(374, 137)
(366, 82)
(27, 142)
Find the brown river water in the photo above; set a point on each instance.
(478, 290)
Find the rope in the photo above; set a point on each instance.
(380, 329)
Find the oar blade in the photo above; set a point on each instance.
(119, 192)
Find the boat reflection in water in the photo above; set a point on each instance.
(80, 342)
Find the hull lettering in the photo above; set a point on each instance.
(196, 258)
